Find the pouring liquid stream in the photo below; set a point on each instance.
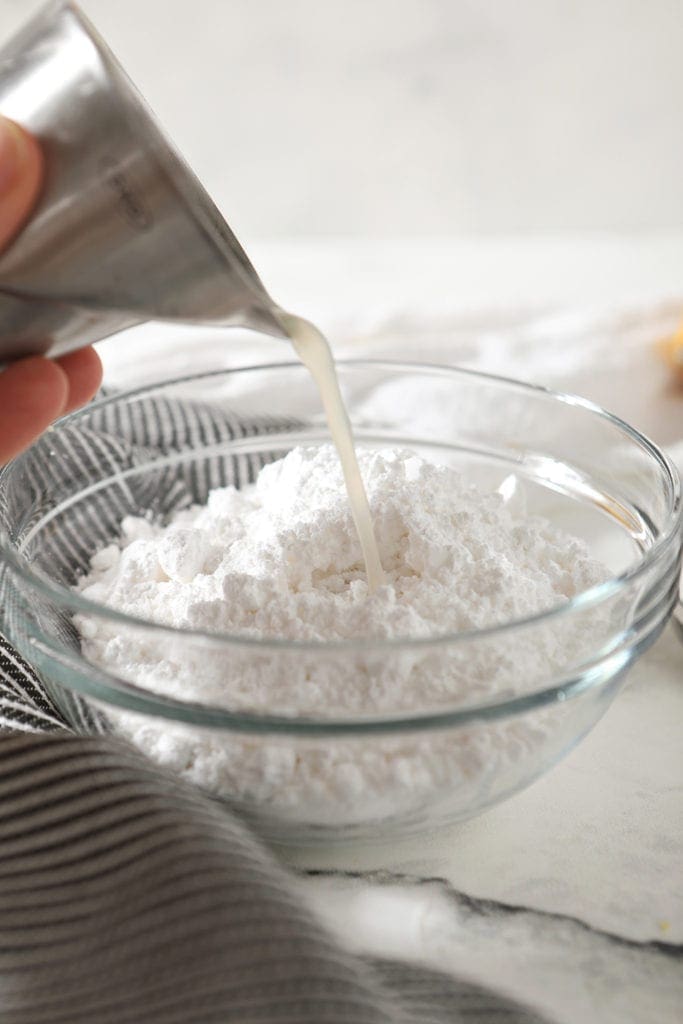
(313, 350)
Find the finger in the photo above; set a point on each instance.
(21, 174)
(84, 374)
(33, 393)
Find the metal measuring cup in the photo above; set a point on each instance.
(123, 231)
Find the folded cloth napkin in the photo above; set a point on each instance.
(126, 895)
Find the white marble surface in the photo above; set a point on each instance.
(570, 895)
(599, 838)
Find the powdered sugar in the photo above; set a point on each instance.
(281, 560)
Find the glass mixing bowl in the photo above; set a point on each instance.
(309, 774)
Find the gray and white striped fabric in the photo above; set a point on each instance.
(127, 896)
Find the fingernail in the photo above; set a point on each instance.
(13, 151)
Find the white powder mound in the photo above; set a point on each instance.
(281, 559)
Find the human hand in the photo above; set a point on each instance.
(33, 391)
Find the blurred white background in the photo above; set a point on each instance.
(415, 117)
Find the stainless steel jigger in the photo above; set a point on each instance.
(123, 231)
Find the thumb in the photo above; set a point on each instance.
(21, 174)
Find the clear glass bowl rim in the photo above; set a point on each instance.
(65, 597)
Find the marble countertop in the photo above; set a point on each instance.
(568, 896)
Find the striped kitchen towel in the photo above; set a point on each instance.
(127, 896)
